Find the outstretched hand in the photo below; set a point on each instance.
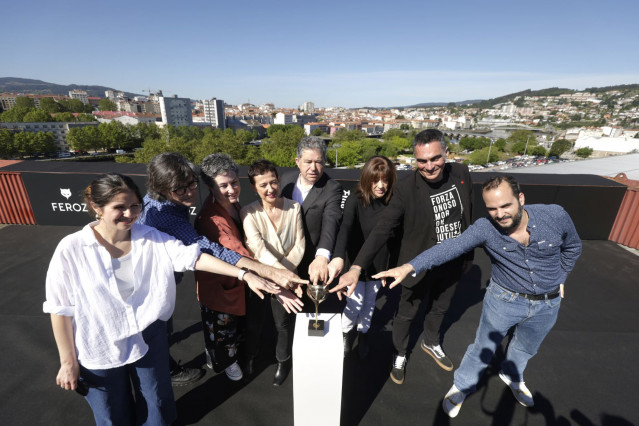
(347, 283)
(285, 278)
(257, 283)
(398, 274)
(290, 302)
(335, 267)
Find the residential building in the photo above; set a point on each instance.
(282, 118)
(176, 111)
(214, 113)
(80, 95)
(308, 107)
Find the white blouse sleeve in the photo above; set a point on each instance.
(60, 295)
(254, 234)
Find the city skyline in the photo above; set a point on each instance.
(336, 54)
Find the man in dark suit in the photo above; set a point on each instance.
(428, 206)
(320, 198)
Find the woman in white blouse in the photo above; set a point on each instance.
(274, 236)
(110, 288)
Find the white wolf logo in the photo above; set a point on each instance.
(66, 192)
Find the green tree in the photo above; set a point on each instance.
(15, 114)
(518, 148)
(521, 136)
(281, 146)
(404, 126)
(479, 156)
(281, 128)
(150, 148)
(64, 117)
(559, 146)
(24, 143)
(538, 151)
(86, 138)
(73, 105)
(7, 150)
(115, 135)
(50, 105)
(37, 116)
(349, 154)
(142, 131)
(85, 117)
(344, 135)
(24, 102)
(253, 153)
(44, 142)
(500, 144)
(371, 147)
(385, 149)
(316, 132)
(584, 152)
(399, 144)
(107, 105)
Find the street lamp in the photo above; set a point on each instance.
(336, 146)
(526, 149)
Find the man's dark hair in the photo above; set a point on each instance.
(494, 182)
(261, 167)
(429, 135)
(167, 172)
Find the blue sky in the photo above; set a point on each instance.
(333, 53)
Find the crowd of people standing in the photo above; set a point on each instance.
(111, 287)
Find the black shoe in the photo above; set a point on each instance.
(399, 369)
(438, 355)
(348, 339)
(281, 373)
(185, 376)
(362, 345)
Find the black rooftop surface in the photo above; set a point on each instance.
(585, 373)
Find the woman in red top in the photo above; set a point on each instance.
(223, 299)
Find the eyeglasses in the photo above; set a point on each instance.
(183, 189)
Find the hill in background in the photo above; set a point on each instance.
(39, 87)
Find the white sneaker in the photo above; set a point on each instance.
(520, 391)
(234, 372)
(453, 401)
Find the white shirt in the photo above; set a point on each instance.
(81, 284)
(123, 272)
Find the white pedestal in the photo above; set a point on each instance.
(317, 371)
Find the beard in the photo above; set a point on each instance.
(516, 220)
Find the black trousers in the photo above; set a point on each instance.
(256, 310)
(439, 286)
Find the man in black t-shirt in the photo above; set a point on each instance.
(428, 206)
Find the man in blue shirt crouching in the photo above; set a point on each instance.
(532, 250)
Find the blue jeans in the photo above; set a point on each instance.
(150, 402)
(502, 309)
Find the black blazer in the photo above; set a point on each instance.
(410, 212)
(321, 214)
